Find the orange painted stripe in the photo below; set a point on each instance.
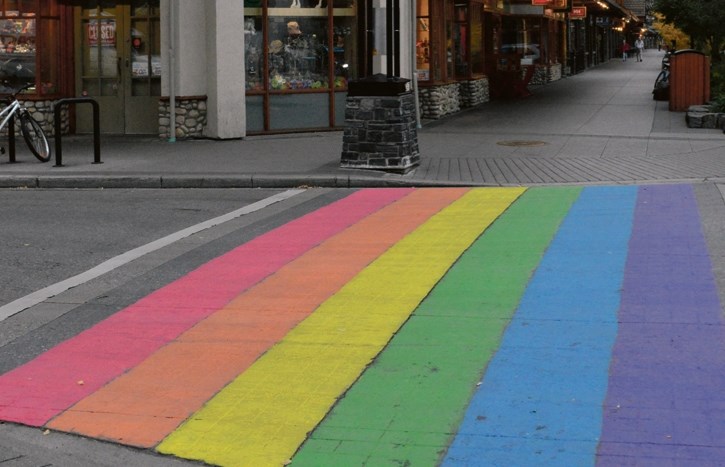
(143, 406)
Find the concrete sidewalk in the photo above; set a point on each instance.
(600, 126)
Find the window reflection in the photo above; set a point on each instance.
(17, 45)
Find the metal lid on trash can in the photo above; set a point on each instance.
(378, 85)
(687, 51)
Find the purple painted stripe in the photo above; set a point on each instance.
(665, 403)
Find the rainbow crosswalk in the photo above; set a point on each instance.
(439, 326)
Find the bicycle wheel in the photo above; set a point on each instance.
(34, 136)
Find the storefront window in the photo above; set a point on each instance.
(477, 56)
(30, 45)
(145, 48)
(423, 45)
(522, 37)
(253, 50)
(458, 60)
(18, 35)
(344, 46)
(298, 56)
(308, 48)
(100, 62)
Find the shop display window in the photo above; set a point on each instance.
(450, 40)
(344, 47)
(298, 57)
(254, 53)
(145, 48)
(521, 38)
(423, 41)
(477, 54)
(30, 46)
(305, 47)
(457, 37)
(18, 35)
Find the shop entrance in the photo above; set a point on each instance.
(118, 63)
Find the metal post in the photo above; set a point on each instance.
(390, 58)
(413, 41)
(172, 72)
(11, 138)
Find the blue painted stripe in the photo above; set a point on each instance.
(540, 401)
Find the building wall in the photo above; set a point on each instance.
(209, 61)
(225, 65)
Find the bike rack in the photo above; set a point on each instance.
(11, 140)
(96, 128)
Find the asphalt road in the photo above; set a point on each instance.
(50, 235)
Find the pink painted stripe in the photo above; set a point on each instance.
(41, 389)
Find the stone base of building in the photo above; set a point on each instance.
(190, 117)
(380, 133)
(544, 74)
(42, 112)
(474, 92)
(441, 100)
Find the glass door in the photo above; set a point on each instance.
(142, 68)
(98, 65)
(119, 65)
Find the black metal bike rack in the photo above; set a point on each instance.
(96, 128)
(11, 139)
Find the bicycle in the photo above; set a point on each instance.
(32, 131)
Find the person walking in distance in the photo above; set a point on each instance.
(625, 50)
(639, 44)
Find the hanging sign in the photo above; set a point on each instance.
(578, 12)
(101, 32)
(561, 5)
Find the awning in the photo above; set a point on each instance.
(627, 14)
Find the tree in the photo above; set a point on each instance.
(669, 32)
(702, 20)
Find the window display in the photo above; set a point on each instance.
(307, 48)
(297, 53)
(521, 37)
(145, 48)
(17, 48)
(253, 50)
(422, 45)
(300, 46)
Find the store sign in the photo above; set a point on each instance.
(542, 2)
(578, 12)
(561, 5)
(103, 33)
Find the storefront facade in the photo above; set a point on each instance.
(240, 67)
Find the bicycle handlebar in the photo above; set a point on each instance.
(17, 91)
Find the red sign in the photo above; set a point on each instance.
(103, 32)
(542, 2)
(578, 12)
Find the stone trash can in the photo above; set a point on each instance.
(380, 125)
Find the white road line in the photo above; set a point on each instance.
(41, 295)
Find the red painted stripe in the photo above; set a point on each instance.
(39, 390)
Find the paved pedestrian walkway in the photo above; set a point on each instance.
(434, 326)
(598, 126)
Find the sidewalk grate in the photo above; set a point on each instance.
(521, 143)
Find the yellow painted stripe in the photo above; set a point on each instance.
(263, 416)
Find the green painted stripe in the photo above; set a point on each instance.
(405, 408)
